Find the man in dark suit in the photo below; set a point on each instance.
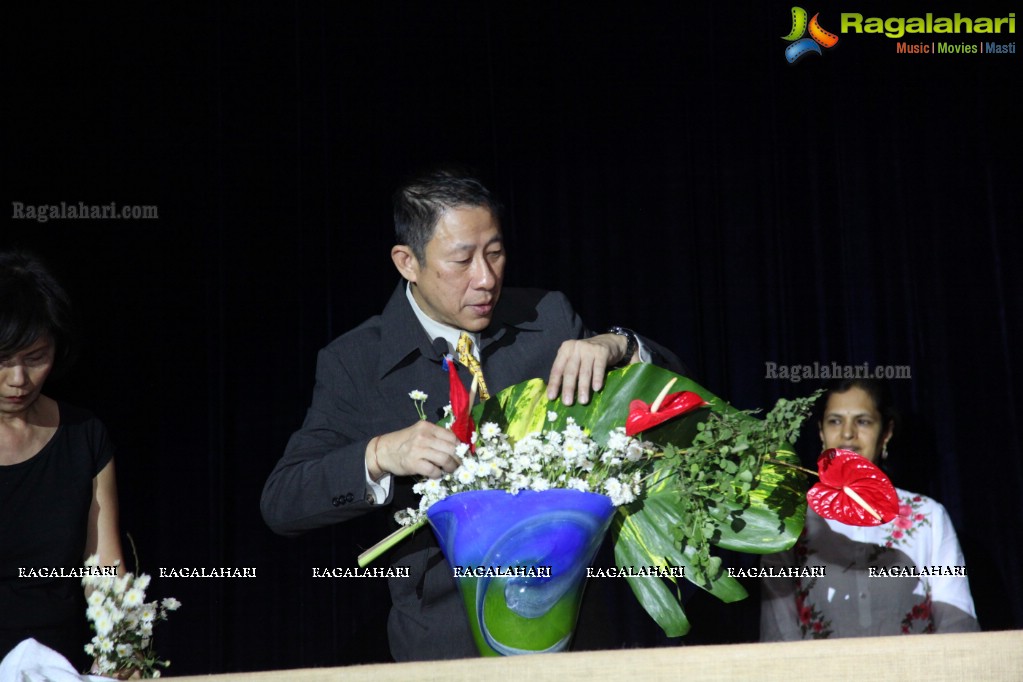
(362, 441)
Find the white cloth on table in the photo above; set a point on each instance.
(31, 661)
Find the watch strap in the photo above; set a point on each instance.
(632, 342)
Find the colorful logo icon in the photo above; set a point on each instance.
(801, 46)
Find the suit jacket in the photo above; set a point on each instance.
(363, 379)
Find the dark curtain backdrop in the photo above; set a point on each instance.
(660, 162)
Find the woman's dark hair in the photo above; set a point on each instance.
(879, 391)
(33, 304)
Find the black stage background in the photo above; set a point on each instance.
(661, 163)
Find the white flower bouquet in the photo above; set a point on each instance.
(541, 460)
(123, 621)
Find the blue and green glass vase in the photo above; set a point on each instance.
(522, 560)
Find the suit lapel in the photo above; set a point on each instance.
(402, 335)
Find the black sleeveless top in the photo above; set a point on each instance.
(44, 512)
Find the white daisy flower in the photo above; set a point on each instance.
(611, 460)
(619, 494)
(617, 440)
(142, 581)
(103, 623)
(572, 430)
(570, 451)
(634, 452)
(134, 597)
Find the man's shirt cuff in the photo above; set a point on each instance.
(378, 489)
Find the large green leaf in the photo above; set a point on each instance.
(654, 519)
(518, 409)
(775, 516)
(644, 536)
(634, 547)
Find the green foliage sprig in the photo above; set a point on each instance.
(716, 473)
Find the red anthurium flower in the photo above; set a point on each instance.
(852, 490)
(462, 426)
(642, 416)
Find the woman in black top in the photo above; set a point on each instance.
(58, 495)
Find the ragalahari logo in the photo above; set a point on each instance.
(802, 46)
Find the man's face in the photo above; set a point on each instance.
(460, 281)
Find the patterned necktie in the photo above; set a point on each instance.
(469, 360)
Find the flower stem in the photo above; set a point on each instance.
(371, 554)
(772, 460)
(134, 551)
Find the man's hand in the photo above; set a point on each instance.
(423, 449)
(580, 366)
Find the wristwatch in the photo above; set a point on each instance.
(632, 343)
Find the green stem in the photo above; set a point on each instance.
(134, 551)
(371, 554)
(772, 460)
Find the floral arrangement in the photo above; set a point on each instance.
(686, 471)
(123, 622)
